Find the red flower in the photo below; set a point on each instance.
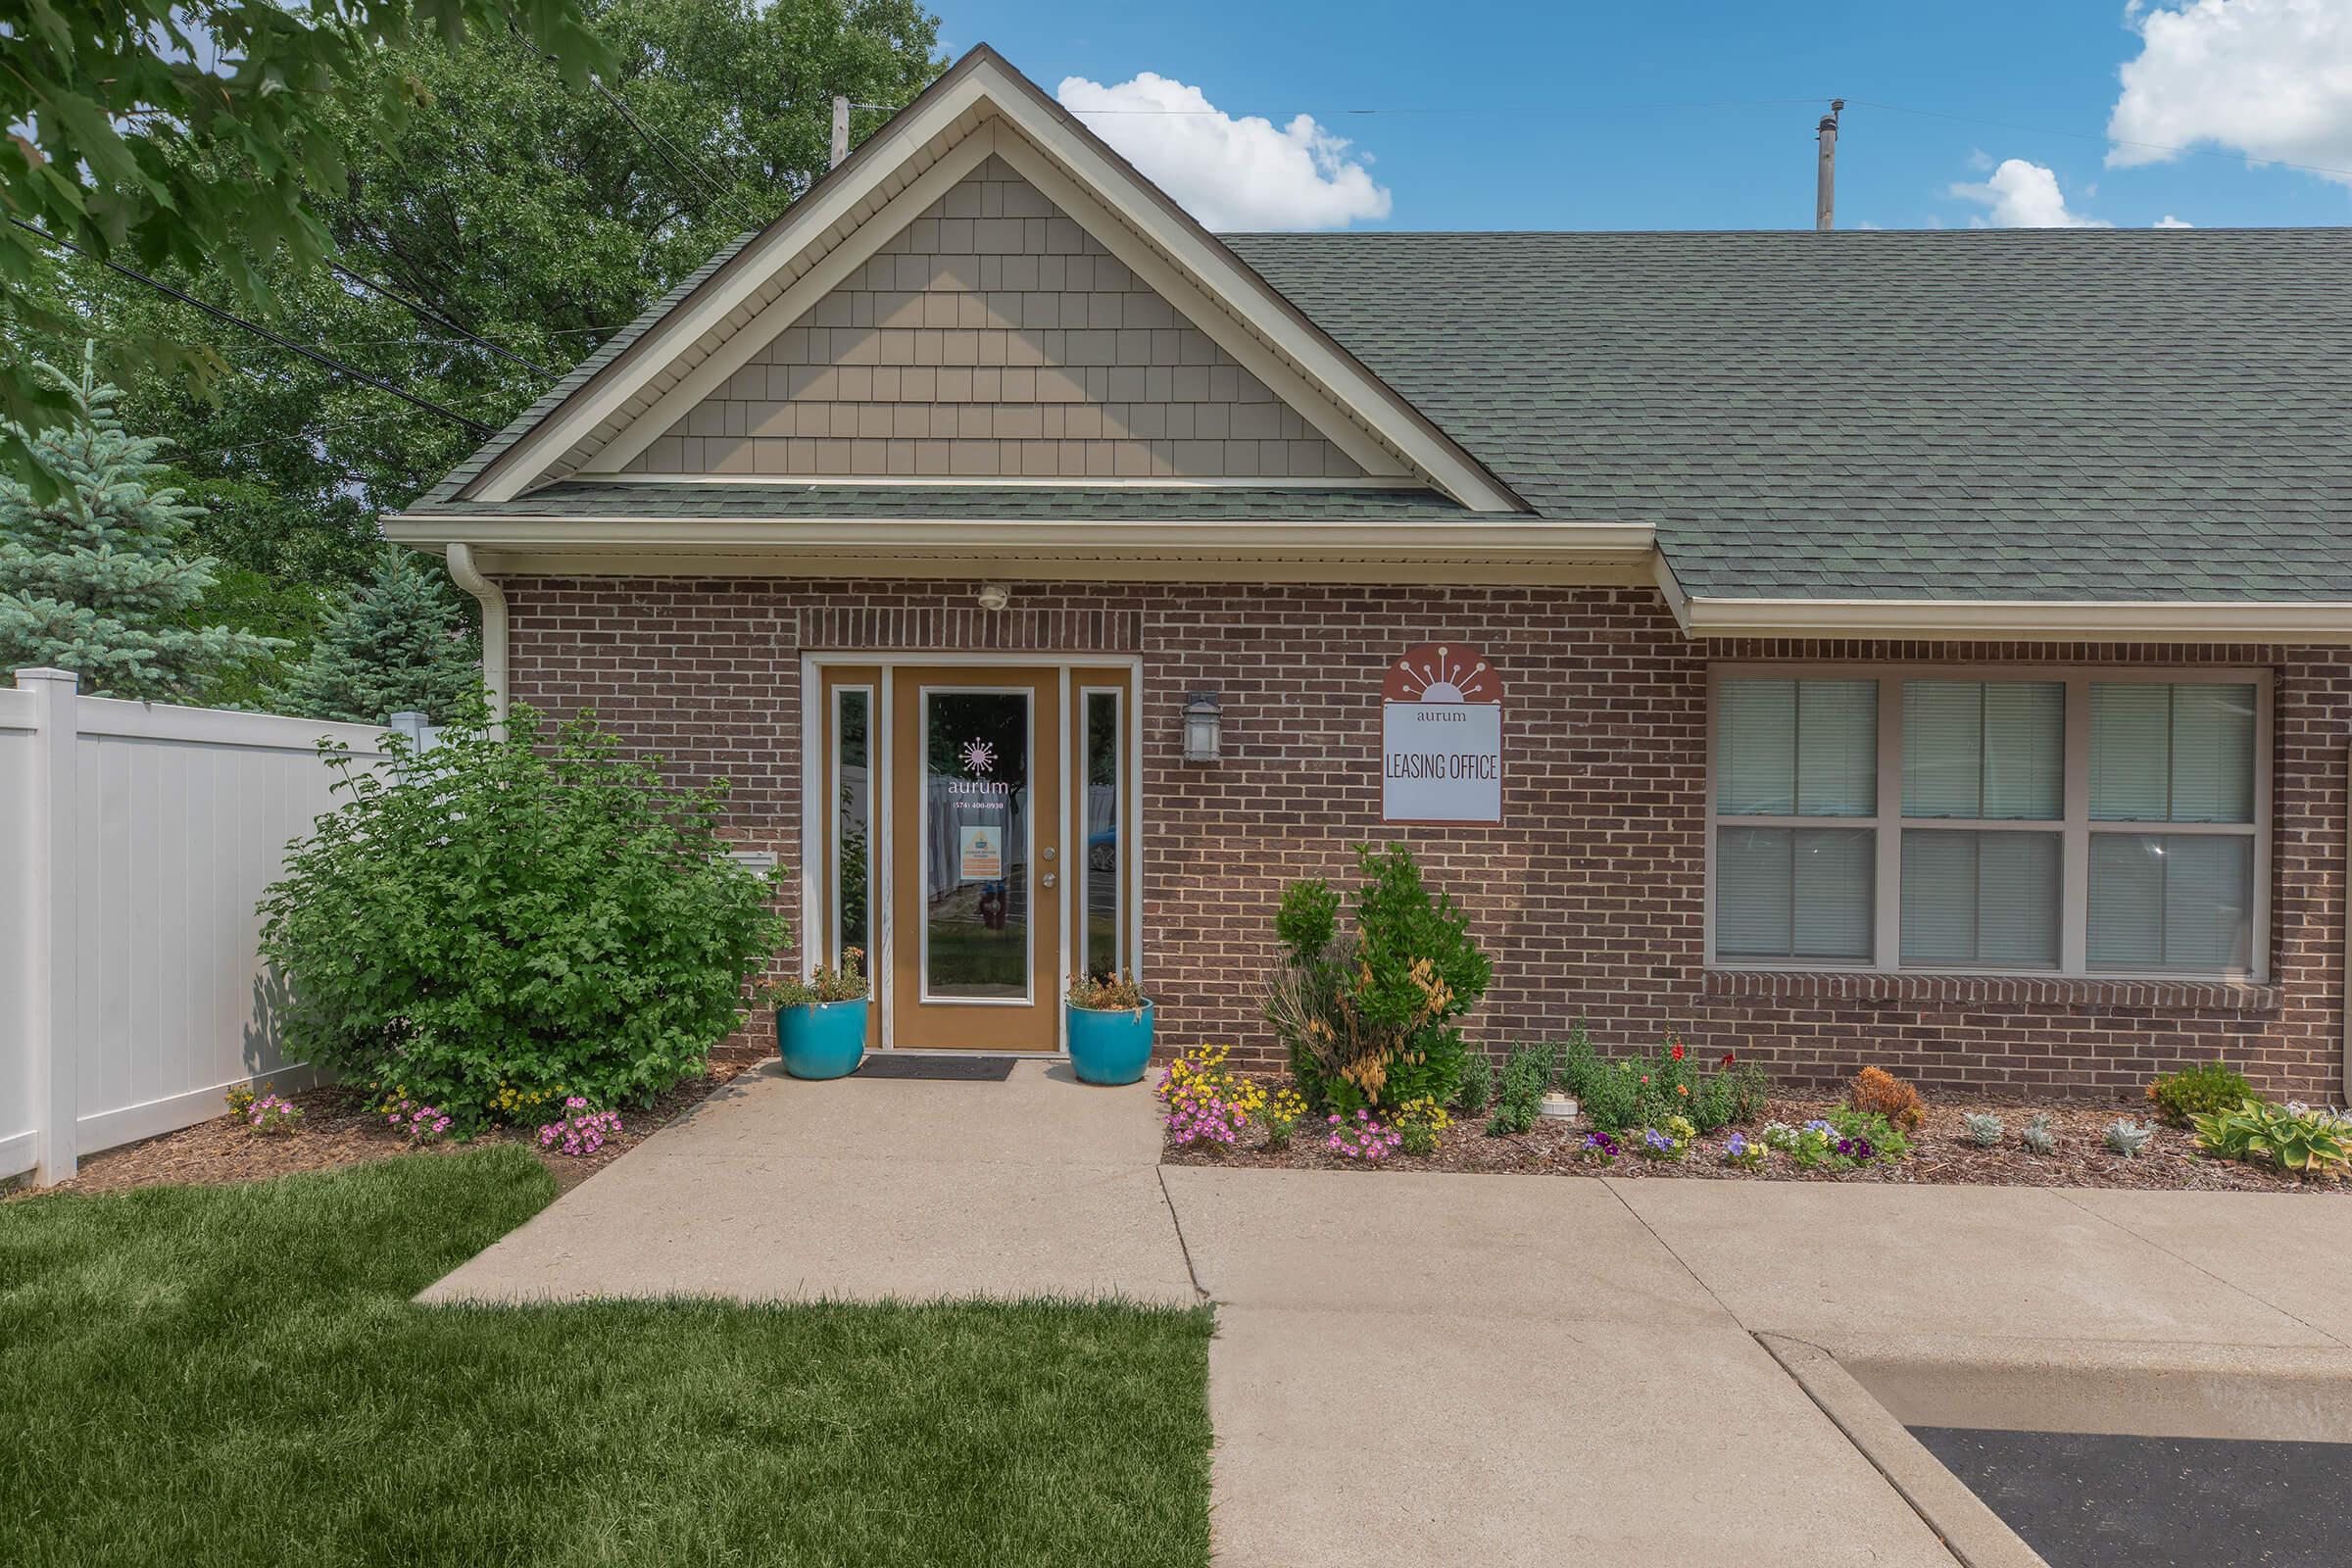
(1728, 1058)
(1645, 1077)
(1678, 1050)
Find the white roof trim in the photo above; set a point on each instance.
(1078, 172)
(2073, 620)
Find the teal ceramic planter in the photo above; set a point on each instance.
(1109, 1047)
(821, 1039)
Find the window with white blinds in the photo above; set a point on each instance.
(2071, 822)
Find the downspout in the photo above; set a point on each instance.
(463, 573)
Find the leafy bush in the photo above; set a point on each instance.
(1642, 1092)
(1519, 1098)
(2292, 1136)
(2194, 1092)
(525, 909)
(1367, 1014)
(1476, 1086)
(1878, 1091)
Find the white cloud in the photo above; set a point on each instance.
(2272, 78)
(1229, 173)
(2022, 195)
(2168, 221)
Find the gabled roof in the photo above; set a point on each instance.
(694, 337)
(2006, 424)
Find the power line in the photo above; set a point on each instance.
(481, 430)
(428, 312)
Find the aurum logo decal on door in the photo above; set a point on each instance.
(978, 757)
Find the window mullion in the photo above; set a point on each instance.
(1886, 829)
(2073, 872)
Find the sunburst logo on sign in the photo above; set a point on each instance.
(1442, 676)
(979, 757)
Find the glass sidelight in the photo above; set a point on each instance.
(853, 820)
(977, 914)
(1099, 933)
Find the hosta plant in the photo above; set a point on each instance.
(1983, 1129)
(2294, 1137)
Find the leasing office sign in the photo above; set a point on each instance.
(1441, 737)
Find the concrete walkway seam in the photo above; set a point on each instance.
(1966, 1526)
(2147, 1240)
(1176, 1219)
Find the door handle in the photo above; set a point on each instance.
(1049, 879)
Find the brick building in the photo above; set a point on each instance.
(1925, 649)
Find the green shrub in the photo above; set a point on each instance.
(2180, 1096)
(1477, 1084)
(1637, 1092)
(512, 918)
(1519, 1098)
(1367, 1015)
(1307, 918)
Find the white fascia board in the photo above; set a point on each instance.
(1404, 538)
(2035, 620)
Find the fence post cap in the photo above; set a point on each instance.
(39, 673)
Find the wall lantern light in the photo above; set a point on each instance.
(1200, 739)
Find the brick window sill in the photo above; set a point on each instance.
(1848, 985)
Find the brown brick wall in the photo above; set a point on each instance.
(1590, 895)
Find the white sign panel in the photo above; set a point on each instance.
(1440, 738)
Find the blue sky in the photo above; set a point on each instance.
(1663, 116)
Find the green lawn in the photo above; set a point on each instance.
(235, 1375)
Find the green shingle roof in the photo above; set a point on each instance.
(2026, 415)
(2005, 415)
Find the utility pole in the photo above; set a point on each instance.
(841, 131)
(1825, 194)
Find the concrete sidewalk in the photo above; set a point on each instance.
(1510, 1369)
(1484, 1370)
(777, 1189)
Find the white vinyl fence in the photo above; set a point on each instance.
(135, 841)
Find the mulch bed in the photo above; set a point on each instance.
(1941, 1155)
(338, 1129)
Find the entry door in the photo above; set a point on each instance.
(977, 861)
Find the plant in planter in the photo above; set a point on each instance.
(820, 1021)
(1111, 1028)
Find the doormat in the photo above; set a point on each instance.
(976, 1069)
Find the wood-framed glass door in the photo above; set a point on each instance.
(976, 812)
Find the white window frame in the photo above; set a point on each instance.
(2075, 829)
